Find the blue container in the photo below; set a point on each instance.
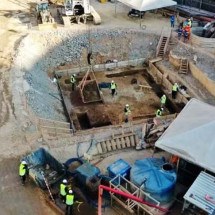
(119, 167)
(86, 172)
(154, 176)
(38, 161)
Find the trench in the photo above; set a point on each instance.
(83, 115)
(157, 88)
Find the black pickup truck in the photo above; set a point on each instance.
(136, 13)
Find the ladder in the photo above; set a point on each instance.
(183, 66)
(163, 42)
(161, 51)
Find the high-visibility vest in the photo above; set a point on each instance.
(69, 199)
(62, 189)
(127, 110)
(158, 113)
(72, 79)
(189, 23)
(175, 87)
(113, 86)
(163, 99)
(22, 169)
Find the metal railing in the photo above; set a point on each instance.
(121, 183)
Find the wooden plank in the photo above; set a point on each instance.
(99, 148)
(104, 147)
(156, 60)
(127, 142)
(122, 140)
(118, 143)
(58, 128)
(132, 140)
(108, 145)
(113, 144)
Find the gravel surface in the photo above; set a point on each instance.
(41, 52)
(204, 62)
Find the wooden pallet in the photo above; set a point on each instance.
(118, 142)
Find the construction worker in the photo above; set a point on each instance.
(159, 112)
(69, 203)
(174, 90)
(23, 171)
(189, 23)
(89, 57)
(163, 100)
(63, 190)
(73, 81)
(179, 32)
(186, 36)
(172, 21)
(113, 87)
(127, 112)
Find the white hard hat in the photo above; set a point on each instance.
(70, 191)
(112, 81)
(162, 109)
(127, 105)
(24, 162)
(64, 181)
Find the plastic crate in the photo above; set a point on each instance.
(119, 167)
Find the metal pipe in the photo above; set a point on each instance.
(127, 195)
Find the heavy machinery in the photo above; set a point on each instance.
(44, 16)
(78, 11)
(43, 12)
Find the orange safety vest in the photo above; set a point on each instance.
(174, 159)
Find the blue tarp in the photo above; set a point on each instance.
(104, 85)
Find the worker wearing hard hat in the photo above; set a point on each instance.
(73, 81)
(63, 190)
(113, 87)
(127, 112)
(159, 112)
(163, 100)
(69, 202)
(174, 90)
(189, 22)
(23, 171)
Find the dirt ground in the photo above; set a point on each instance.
(143, 103)
(14, 19)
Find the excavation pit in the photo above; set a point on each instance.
(91, 105)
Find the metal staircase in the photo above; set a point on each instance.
(129, 206)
